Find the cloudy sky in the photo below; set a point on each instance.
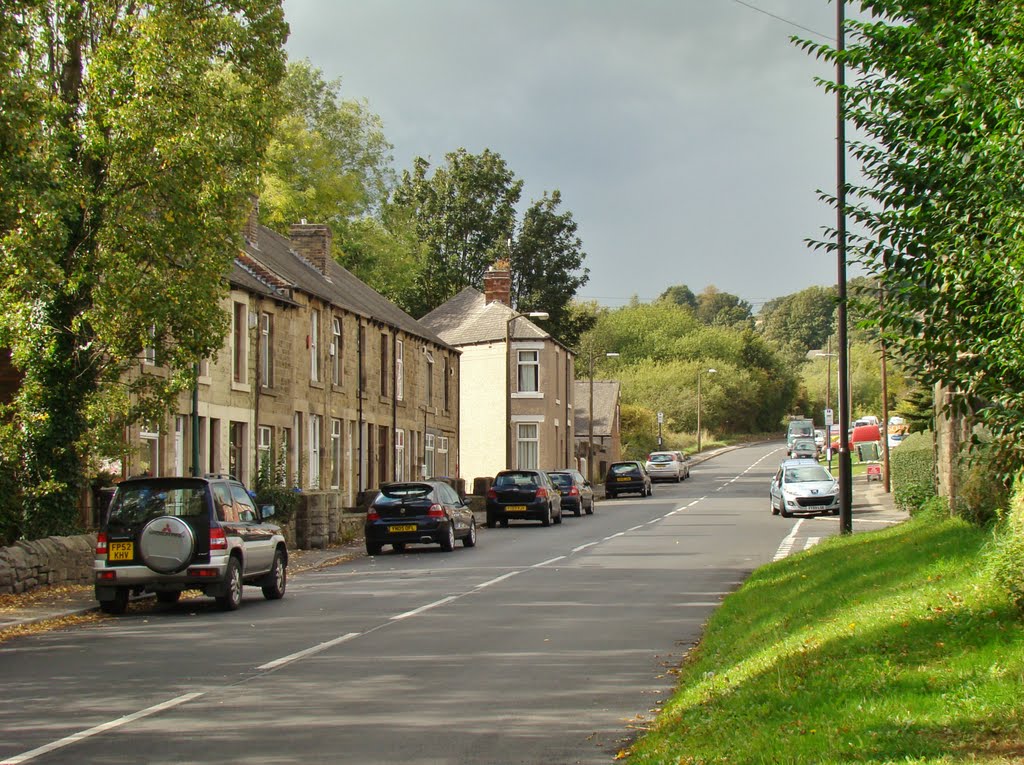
(687, 137)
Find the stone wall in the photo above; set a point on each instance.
(321, 521)
(51, 561)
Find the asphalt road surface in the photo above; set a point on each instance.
(540, 645)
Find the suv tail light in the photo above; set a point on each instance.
(101, 543)
(218, 539)
(435, 511)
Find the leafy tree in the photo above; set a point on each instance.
(547, 263)
(722, 308)
(935, 88)
(800, 322)
(330, 162)
(464, 215)
(680, 294)
(136, 128)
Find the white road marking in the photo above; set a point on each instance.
(584, 547)
(421, 609)
(811, 542)
(76, 737)
(547, 562)
(308, 651)
(499, 579)
(787, 543)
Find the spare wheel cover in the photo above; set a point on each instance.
(167, 544)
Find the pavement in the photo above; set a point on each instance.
(54, 606)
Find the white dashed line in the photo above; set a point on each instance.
(308, 652)
(787, 543)
(547, 562)
(584, 547)
(499, 579)
(421, 609)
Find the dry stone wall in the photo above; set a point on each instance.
(51, 561)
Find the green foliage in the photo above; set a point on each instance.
(723, 309)
(271, 487)
(801, 322)
(1006, 553)
(981, 494)
(639, 431)
(918, 409)
(681, 295)
(137, 130)
(912, 469)
(11, 518)
(935, 90)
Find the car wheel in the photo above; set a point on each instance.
(448, 541)
(276, 580)
(118, 605)
(168, 597)
(771, 502)
(491, 522)
(609, 495)
(558, 518)
(578, 510)
(679, 477)
(504, 523)
(784, 511)
(546, 520)
(398, 547)
(373, 548)
(232, 599)
(470, 539)
(590, 507)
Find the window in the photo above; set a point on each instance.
(315, 425)
(336, 349)
(399, 455)
(264, 449)
(527, 446)
(236, 451)
(362, 357)
(296, 450)
(314, 345)
(149, 450)
(385, 364)
(239, 347)
(267, 350)
(441, 461)
(430, 379)
(428, 455)
(288, 475)
(529, 368)
(447, 385)
(399, 370)
(335, 454)
(149, 352)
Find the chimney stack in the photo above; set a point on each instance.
(251, 232)
(313, 242)
(498, 283)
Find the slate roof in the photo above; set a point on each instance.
(467, 319)
(278, 269)
(606, 397)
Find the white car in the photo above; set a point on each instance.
(803, 486)
(666, 466)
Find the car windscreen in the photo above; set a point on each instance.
(624, 468)
(507, 480)
(406, 492)
(808, 473)
(136, 503)
(561, 480)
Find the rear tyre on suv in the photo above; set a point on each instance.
(168, 596)
(277, 579)
(232, 598)
(118, 605)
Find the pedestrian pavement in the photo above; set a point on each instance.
(871, 505)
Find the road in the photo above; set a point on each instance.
(540, 645)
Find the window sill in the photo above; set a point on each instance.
(241, 387)
(530, 394)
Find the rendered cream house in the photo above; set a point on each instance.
(517, 394)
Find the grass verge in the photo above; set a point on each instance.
(883, 647)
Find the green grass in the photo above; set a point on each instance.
(887, 647)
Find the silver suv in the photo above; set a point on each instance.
(167, 535)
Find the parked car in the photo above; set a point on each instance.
(577, 493)
(167, 535)
(667, 466)
(418, 512)
(523, 495)
(685, 459)
(803, 448)
(895, 439)
(803, 486)
(627, 476)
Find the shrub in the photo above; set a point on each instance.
(981, 492)
(270, 489)
(912, 470)
(1006, 558)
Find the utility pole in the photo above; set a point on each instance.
(845, 461)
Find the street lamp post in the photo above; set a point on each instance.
(590, 411)
(508, 377)
(699, 374)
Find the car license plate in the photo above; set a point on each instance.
(516, 509)
(624, 478)
(403, 527)
(120, 551)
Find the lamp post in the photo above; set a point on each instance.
(508, 377)
(699, 374)
(590, 411)
(828, 399)
(845, 461)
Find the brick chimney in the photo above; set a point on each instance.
(498, 283)
(313, 242)
(251, 231)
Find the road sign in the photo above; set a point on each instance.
(828, 419)
(661, 417)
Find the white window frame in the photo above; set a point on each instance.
(399, 370)
(336, 348)
(314, 345)
(335, 453)
(399, 454)
(429, 387)
(267, 350)
(264, 447)
(527, 446)
(315, 431)
(239, 343)
(527, 359)
(428, 455)
(442, 449)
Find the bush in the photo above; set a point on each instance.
(1007, 552)
(270, 489)
(981, 491)
(912, 470)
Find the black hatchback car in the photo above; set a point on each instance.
(523, 494)
(418, 512)
(577, 493)
(629, 476)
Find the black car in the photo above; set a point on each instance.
(523, 494)
(418, 512)
(167, 535)
(577, 493)
(629, 476)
